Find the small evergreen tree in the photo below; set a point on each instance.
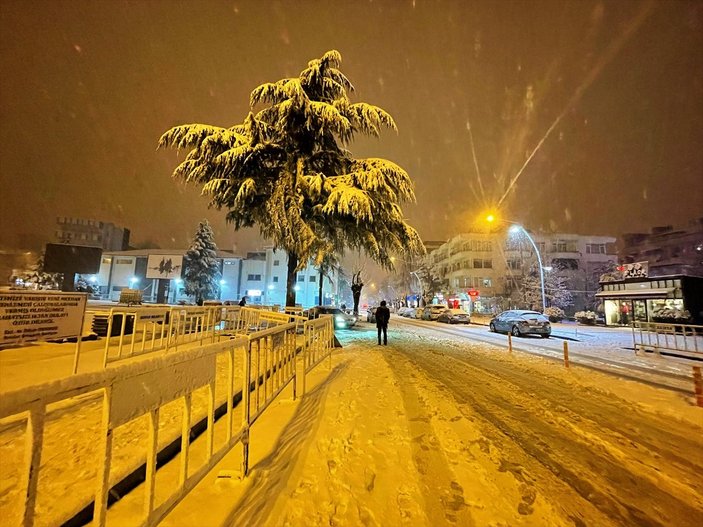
(202, 272)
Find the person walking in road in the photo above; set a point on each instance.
(383, 315)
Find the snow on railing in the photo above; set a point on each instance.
(681, 339)
(130, 331)
(159, 400)
(318, 343)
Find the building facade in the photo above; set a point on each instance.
(668, 250)
(664, 299)
(93, 233)
(484, 270)
(260, 276)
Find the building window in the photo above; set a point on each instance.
(275, 279)
(595, 248)
(254, 277)
(276, 263)
(301, 278)
(513, 263)
(478, 264)
(563, 246)
(487, 282)
(488, 264)
(569, 264)
(312, 278)
(123, 261)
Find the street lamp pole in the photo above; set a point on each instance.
(519, 228)
(516, 227)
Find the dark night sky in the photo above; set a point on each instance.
(87, 88)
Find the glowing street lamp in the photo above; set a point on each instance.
(517, 228)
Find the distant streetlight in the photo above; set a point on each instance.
(517, 228)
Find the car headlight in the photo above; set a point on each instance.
(339, 318)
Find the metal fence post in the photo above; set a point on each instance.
(246, 410)
(103, 476)
(35, 440)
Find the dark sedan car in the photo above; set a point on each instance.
(454, 316)
(520, 322)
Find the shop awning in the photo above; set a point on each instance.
(636, 293)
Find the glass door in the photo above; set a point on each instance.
(639, 310)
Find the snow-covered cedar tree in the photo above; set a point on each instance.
(201, 271)
(286, 169)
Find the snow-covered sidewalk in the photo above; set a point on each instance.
(375, 441)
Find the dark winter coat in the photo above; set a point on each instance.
(383, 315)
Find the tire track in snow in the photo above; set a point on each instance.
(615, 490)
(491, 460)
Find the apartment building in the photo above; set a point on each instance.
(93, 233)
(489, 266)
(668, 250)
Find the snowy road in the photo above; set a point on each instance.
(605, 352)
(438, 430)
(619, 466)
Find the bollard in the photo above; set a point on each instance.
(566, 354)
(510, 343)
(698, 385)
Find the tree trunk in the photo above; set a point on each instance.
(291, 279)
(322, 279)
(356, 294)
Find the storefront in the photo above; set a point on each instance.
(654, 299)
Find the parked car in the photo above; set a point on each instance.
(454, 316)
(402, 310)
(419, 311)
(409, 313)
(371, 314)
(433, 311)
(521, 322)
(342, 320)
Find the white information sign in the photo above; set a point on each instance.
(40, 315)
